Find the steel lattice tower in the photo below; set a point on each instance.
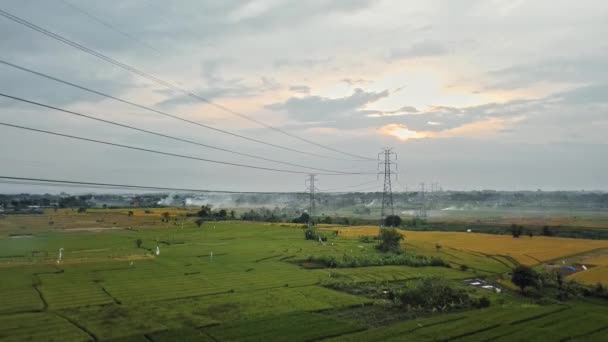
(422, 211)
(310, 188)
(388, 167)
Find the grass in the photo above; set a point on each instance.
(106, 288)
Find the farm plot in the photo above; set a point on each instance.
(389, 273)
(39, 327)
(18, 292)
(451, 326)
(293, 327)
(525, 250)
(506, 323)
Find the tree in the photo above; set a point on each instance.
(547, 231)
(82, 210)
(130, 213)
(138, 243)
(205, 211)
(165, 216)
(304, 218)
(516, 231)
(232, 215)
(199, 222)
(524, 276)
(222, 214)
(391, 240)
(392, 221)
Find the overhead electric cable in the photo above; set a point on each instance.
(168, 153)
(161, 112)
(163, 82)
(111, 27)
(55, 182)
(160, 134)
(350, 186)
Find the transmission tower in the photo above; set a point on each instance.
(422, 212)
(310, 189)
(387, 165)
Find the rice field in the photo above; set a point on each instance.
(525, 250)
(231, 281)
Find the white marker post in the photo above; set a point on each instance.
(211, 256)
(60, 255)
(157, 250)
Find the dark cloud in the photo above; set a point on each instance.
(315, 108)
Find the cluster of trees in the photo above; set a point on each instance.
(265, 215)
(553, 284)
(206, 213)
(436, 294)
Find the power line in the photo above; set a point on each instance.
(111, 27)
(160, 134)
(166, 153)
(161, 112)
(56, 182)
(349, 186)
(163, 82)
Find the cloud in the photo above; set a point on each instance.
(425, 48)
(314, 108)
(401, 132)
(352, 82)
(300, 89)
(481, 128)
(583, 69)
(301, 62)
(405, 110)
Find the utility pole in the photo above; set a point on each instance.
(387, 165)
(310, 188)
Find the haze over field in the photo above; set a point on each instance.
(474, 94)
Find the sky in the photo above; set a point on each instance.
(470, 94)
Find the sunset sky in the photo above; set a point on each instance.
(487, 94)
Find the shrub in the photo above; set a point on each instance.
(482, 302)
(464, 267)
(402, 259)
(366, 239)
(435, 293)
(391, 240)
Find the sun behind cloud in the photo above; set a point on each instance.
(401, 132)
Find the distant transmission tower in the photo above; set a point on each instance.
(422, 211)
(387, 165)
(310, 188)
